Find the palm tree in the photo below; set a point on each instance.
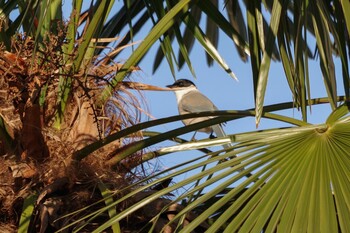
(290, 179)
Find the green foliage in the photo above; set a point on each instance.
(27, 213)
(106, 194)
(299, 180)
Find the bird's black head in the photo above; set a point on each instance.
(181, 83)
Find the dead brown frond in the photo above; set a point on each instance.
(31, 75)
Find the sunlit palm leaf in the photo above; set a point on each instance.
(342, 38)
(236, 18)
(212, 32)
(346, 8)
(300, 182)
(322, 33)
(287, 59)
(165, 45)
(300, 67)
(223, 24)
(207, 45)
(106, 194)
(254, 47)
(183, 51)
(267, 55)
(27, 213)
(302, 173)
(188, 37)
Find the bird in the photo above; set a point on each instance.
(191, 100)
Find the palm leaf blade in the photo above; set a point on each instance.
(266, 60)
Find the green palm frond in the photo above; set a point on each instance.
(299, 182)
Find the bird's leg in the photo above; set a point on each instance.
(193, 139)
(212, 136)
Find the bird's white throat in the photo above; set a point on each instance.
(180, 93)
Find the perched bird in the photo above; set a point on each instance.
(191, 100)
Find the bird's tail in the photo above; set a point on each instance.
(219, 131)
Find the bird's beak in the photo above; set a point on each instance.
(174, 87)
(142, 86)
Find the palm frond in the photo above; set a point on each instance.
(299, 181)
